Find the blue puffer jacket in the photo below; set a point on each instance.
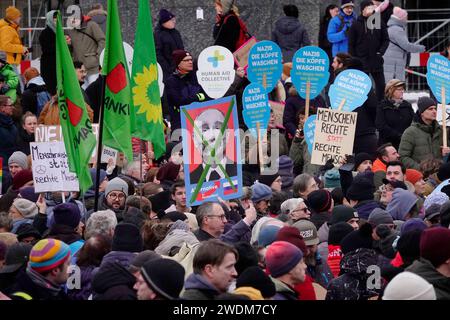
(338, 34)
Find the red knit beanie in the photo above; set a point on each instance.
(22, 177)
(434, 245)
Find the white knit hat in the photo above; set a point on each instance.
(409, 286)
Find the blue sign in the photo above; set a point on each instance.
(438, 77)
(309, 128)
(256, 108)
(351, 85)
(265, 64)
(310, 64)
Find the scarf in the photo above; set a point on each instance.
(42, 282)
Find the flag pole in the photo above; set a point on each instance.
(99, 144)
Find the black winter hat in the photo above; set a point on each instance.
(291, 10)
(362, 187)
(174, 216)
(444, 171)
(342, 213)
(256, 278)
(248, 257)
(424, 103)
(268, 179)
(361, 157)
(127, 238)
(16, 257)
(358, 239)
(320, 200)
(161, 201)
(27, 230)
(408, 245)
(365, 4)
(164, 276)
(338, 231)
(165, 15)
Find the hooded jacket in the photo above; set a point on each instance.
(396, 54)
(10, 42)
(426, 270)
(338, 31)
(11, 80)
(99, 16)
(401, 204)
(198, 288)
(166, 42)
(352, 283)
(419, 142)
(290, 35)
(29, 96)
(113, 282)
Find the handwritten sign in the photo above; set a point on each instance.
(215, 71)
(256, 108)
(309, 130)
(334, 135)
(109, 154)
(50, 168)
(438, 77)
(351, 87)
(310, 64)
(265, 64)
(241, 54)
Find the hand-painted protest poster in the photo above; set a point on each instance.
(278, 110)
(309, 129)
(310, 65)
(256, 110)
(211, 150)
(349, 90)
(241, 54)
(334, 135)
(438, 77)
(215, 71)
(265, 64)
(51, 168)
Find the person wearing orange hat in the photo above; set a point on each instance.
(416, 179)
(9, 36)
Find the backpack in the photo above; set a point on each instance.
(244, 36)
(41, 98)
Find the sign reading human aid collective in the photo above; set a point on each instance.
(215, 71)
(51, 169)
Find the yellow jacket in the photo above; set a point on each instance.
(10, 42)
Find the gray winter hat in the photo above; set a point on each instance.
(18, 158)
(26, 208)
(116, 184)
(379, 216)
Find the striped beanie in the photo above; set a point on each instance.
(48, 254)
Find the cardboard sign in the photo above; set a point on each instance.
(309, 130)
(310, 64)
(50, 168)
(256, 108)
(241, 54)
(334, 135)
(109, 154)
(438, 77)
(265, 64)
(211, 151)
(278, 110)
(215, 71)
(351, 87)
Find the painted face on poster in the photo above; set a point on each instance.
(256, 108)
(309, 128)
(351, 85)
(438, 77)
(265, 64)
(215, 71)
(310, 64)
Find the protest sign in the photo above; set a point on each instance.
(309, 129)
(50, 168)
(256, 108)
(265, 64)
(215, 71)
(109, 154)
(241, 54)
(334, 135)
(438, 78)
(211, 150)
(278, 110)
(349, 90)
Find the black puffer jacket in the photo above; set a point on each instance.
(167, 41)
(392, 120)
(290, 35)
(113, 282)
(352, 283)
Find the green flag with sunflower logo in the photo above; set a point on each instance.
(144, 82)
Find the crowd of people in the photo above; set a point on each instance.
(375, 226)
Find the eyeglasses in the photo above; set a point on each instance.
(221, 217)
(116, 196)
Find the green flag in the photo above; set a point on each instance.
(76, 126)
(144, 81)
(118, 110)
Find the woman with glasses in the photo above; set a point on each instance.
(394, 114)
